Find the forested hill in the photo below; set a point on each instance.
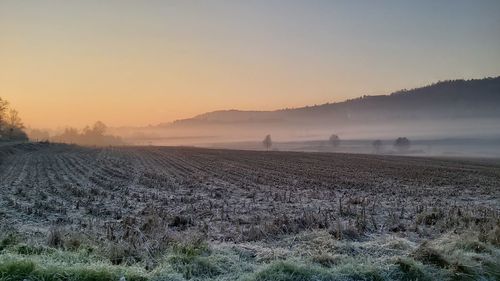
(455, 99)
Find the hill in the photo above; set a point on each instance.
(455, 99)
(458, 109)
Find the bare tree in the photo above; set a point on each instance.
(402, 144)
(377, 146)
(4, 105)
(267, 142)
(334, 140)
(13, 120)
(12, 126)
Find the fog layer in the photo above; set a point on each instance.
(461, 113)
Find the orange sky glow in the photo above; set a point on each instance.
(128, 63)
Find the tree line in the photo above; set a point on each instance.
(13, 129)
(90, 135)
(11, 125)
(401, 144)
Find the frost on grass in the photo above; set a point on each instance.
(156, 213)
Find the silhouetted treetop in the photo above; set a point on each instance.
(95, 135)
(402, 144)
(11, 126)
(334, 140)
(267, 142)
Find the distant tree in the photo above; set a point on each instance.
(38, 135)
(4, 105)
(334, 140)
(14, 120)
(95, 135)
(70, 135)
(377, 145)
(87, 130)
(99, 128)
(267, 142)
(14, 123)
(11, 126)
(402, 144)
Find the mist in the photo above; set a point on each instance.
(449, 118)
(464, 137)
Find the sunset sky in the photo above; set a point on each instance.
(147, 62)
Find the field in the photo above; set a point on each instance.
(183, 213)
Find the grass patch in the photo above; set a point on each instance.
(492, 270)
(451, 257)
(192, 259)
(461, 257)
(412, 270)
(284, 271)
(326, 260)
(194, 266)
(29, 270)
(191, 248)
(24, 249)
(357, 270)
(428, 255)
(7, 241)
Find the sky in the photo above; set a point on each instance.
(134, 63)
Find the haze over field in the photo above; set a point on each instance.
(445, 109)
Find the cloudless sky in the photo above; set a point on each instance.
(146, 62)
